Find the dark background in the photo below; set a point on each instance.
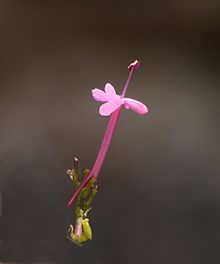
(159, 189)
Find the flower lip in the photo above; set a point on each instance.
(135, 106)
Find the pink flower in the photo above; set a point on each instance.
(112, 106)
(114, 101)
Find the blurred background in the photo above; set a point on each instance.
(159, 189)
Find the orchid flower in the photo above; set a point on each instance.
(112, 106)
(114, 101)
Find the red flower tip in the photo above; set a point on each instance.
(134, 65)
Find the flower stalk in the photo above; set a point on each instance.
(107, 137)
(86, 186)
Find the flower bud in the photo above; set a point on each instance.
(76, 162)
(85, 172)
(72, 174)
(134, 65)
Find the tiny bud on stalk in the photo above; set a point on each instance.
(134, 65)
(76, 162)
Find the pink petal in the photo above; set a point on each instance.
(109, 107)
(99, 95)
(110, 92)
(135, 105)
(110, 89)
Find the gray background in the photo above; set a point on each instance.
(159, 189)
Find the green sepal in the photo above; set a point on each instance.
(87, 229)
(83, 204)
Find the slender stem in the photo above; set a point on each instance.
(127, 82)
(102, 153)
(105, 143)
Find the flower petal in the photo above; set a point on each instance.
(99, 95)
(135, 105)
(109, 107)
(110, 89)
(110, 92)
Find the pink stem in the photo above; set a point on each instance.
(102, 153)
(105, 144)
(127, 83)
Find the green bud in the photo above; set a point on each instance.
(89, 199)
(85, 173)
(87, 229)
